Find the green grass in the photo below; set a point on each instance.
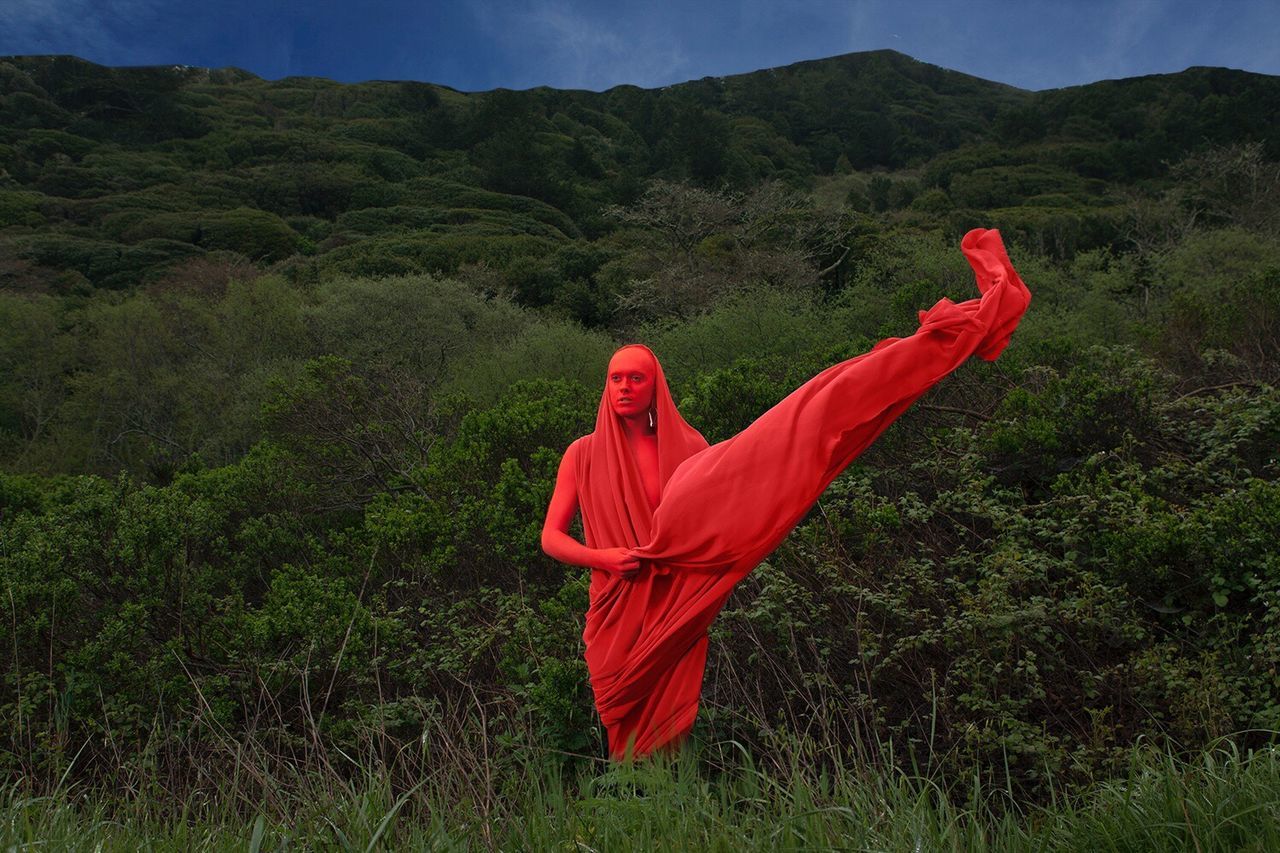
(1225, 800)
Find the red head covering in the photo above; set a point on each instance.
(615, 510)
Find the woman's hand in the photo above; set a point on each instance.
(556, 541)
(618, 562)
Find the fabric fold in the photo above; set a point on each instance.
(726, 507)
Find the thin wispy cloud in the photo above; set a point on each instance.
(79, 27)
(596, 44)
(558, 45)
(1122, 35)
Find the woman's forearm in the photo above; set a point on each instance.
(563, 547)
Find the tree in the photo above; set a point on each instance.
(1233, 184)
(697, 244)
(34, 360)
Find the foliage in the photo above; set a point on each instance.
(412, 178)
(287, 369)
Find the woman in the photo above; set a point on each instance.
(672, 524)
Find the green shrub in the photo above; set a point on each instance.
(19, 207)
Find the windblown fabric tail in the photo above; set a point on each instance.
(727, 507)
(743, 495)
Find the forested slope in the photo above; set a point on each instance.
(286, 369)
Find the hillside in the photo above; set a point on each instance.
(116, 177)
(287, 369)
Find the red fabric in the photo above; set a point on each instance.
(724, 508)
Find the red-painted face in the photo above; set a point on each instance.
(630, 382)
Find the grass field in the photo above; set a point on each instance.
(1224, 800)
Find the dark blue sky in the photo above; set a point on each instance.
(594, 44)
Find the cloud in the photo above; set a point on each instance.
(553, 44)
(1123, 38)
(102, 31)
(157, 32)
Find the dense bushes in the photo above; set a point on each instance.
(1090, 560)
(222, 160)
(281, 513)
(254, 233)
(148, 382)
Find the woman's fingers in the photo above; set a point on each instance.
(629, 566)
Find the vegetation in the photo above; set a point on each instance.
(286, 370)
(1224, 802)
(114, 177)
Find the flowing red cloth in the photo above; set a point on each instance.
(726, 507)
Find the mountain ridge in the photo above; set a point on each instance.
(884, 52)
(115, 176)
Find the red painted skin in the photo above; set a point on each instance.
(671, 525)
(629, 384)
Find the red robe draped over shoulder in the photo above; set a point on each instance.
(724, 508)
